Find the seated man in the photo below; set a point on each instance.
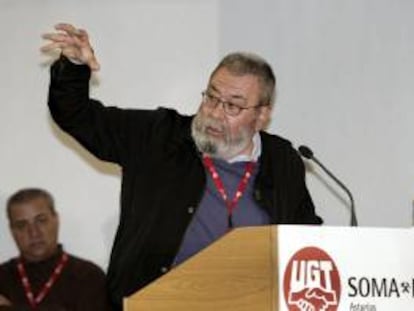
(45, 277)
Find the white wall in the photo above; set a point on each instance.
(343, 79)
(345, 88)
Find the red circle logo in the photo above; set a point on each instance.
(311, 281)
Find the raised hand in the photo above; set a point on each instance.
(73, 43)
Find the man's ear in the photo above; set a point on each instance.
(263, 119)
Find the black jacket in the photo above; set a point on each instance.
(80, 287)
(163, 176)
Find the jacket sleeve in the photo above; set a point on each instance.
(306, 211)
(281, 186)
(104, 131)
(91, 124)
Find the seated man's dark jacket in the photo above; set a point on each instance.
(80, 287)
(163, 176)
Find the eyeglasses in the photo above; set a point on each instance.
(230, 109)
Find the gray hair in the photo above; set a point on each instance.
(242, 63)
(28, 195)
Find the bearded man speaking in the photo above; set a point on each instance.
(186, 179)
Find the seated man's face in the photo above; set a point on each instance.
(35, 229)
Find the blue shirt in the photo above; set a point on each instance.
(210, 221)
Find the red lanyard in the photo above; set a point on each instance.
(230, 204)
(34, 301)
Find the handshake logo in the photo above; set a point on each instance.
(311, 281)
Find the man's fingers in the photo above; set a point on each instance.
(66, 39)
(74, 44)
(83, 33)
(94, 65)
(56, 37)
(52, 46)
(81, 42)
(68, 28)
(63, 48)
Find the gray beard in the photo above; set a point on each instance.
(222, 149)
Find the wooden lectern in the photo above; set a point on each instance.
(291, 267)
(235, 273)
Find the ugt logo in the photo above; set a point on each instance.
(311, 281)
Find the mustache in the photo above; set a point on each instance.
(206, 122)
